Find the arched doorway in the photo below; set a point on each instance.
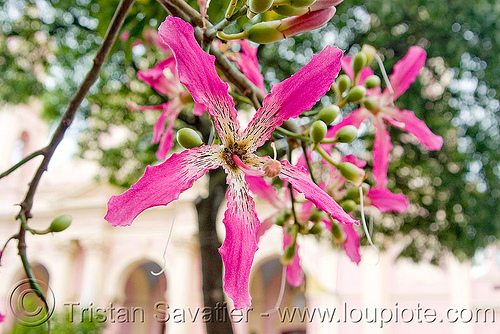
(265, 286)
(143, 291)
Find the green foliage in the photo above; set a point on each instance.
(63, 324)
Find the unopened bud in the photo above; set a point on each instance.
(353, 193)
(60, 223)
(188, 138)
(346, 134)
(348, 205)
(288, 254)
(359, 62)
(301, 3)
(338, 235)
(281, 218)
(265, 32)
(318, 131)
(317, 228)
(287, 10)
(372, 81)
(356, 94)
(328, 114)
(315, 216)
(344, 82)
(368, 104)
(352, 173)
(259, 6)
(370, 52)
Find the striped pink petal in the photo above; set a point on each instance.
(293, 96)
(240, 244)
(167, 139)
(162, 184)
(264, 190)
(197, 72)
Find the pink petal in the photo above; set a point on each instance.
(249, 64)
(167, 139)
(295, 25)
(303, 184)
(351, 245)
(163, 184)
(354, 160)
(135, 106)
(293, 270)
(240, 244)
(156, 78)
(294, 95)
(199, 109)
(406, 70)
(160, 124)
(264, 226)
(322, 4)
(2, 317)
(385, 200)
(417, 127)
(381, 149)
(264, 190)
(197, 72)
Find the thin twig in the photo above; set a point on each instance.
(22, 162)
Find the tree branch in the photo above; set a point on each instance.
(75, 102)
(22, 162)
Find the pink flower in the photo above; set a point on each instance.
(163, 184)
(403, 75)
(164, 79)
(2, 317)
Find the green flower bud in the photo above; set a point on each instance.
(316, 216)
(265, 32)
(317, 228)
(353, 193)
(368, 104)
(328, 114)
(343, 82)
(338, 234)
(348, 205)
(188, 138)
(318, 131)
(287, 10)
(372, 81)
(356, 94)
(359, 62)
(281, 218)
(301, 3)
(288, 254)
(60, 223)
(370, 52)
(259, 6)
(352, 173)
(346, 134)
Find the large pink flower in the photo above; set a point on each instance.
(404, 74)
(163, 184)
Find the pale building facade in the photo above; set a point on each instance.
(93, 266)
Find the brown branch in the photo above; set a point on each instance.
(75, 102)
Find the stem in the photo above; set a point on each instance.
(22, 162)
(226, 22)
(306, 157)
(288, 133)
(325, 155)
(292, 199)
